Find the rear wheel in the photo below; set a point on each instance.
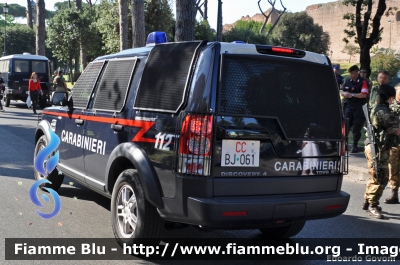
(283, 231)
(132, 216)
(42, 102)
(55, 179)
(6, 101)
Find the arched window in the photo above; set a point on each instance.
(398, 16)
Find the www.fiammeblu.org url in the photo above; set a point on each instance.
(333, 253)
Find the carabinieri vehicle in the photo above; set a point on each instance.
(210, 134)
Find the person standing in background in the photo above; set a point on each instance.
(394, 159)
(355, 90)
(386, 129)
(383, 78)
(34, 89)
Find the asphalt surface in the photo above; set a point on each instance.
(86, 214)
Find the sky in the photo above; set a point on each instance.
(232, 10)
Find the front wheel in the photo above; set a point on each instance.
(42, 102)
(132, 216)
(6, 101)
(283, 231)
(55, 179)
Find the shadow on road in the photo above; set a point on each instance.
(82, 193)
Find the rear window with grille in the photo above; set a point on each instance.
(85, 84)
(302, 95)
(114, 85)
(165, 75)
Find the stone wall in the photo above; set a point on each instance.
(330, 17)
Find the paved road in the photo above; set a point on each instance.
(85, 214)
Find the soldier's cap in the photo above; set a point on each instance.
(336, 67)
(387, 90)
(353, 68)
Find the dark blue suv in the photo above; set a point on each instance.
(219, 135)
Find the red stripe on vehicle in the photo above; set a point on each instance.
(144, 125)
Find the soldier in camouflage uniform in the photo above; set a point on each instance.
(386, 127)
(383, 78)
(394, 160)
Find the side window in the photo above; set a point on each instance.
(85, 84)
(6, 66)
(39, 66)
(2, 68)
(112, 90)
(165, 77)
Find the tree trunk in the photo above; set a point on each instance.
(69, 3)
(184, 20)
(29, 17)
(123, 25)
(78, 5)
(70, 71)
(40, 27)
(205, 17)
(365, 59)
(83, 55)
(76, 70)
(138, 30)
(219, 21)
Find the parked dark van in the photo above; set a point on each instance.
(209, 134)
(17, 70)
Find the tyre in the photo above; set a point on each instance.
(42, 102)
(55, 179)
(283, 231)
(132, 216)
(6, 101)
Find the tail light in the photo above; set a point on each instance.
(195, 145)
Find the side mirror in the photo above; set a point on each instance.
(59, 99)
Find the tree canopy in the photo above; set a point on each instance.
(297, 30)
(365, 28)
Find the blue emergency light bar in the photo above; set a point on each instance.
(156, 37)
(238, 42)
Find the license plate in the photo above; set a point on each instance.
(240, 153)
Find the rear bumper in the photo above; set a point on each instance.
(262, 211)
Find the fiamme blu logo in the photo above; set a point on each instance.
(45, 164)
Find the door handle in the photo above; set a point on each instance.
(117, 127)
(79, 121)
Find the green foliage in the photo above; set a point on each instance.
(64, 5)
(203, 31)
(65, 32)
(158, 16)
(351, 31)
(10, 21)
(351, 50)
(20, 39)
(17, 10)
(245, 35)
(251, 25)
(247, 31)
(385, 59)
(107, 23)
(297, 30)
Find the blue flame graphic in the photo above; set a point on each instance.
(45, 152)
(50, 166)
(35, 199)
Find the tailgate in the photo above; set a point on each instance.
(278, 127)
